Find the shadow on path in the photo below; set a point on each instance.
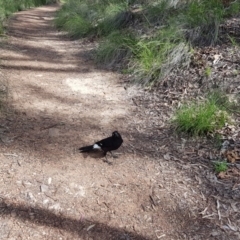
(83, 228)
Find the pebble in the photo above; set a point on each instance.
(49, 180)
(43, 188)
(55, 206)
(30, 196)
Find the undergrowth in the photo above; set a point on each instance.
(220, 166)
(202, 118)
(163, 31)
(156, 56)
(116, 49)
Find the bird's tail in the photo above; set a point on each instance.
(86, 149)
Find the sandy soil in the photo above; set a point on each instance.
(58, 101)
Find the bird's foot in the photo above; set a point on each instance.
(113, 156)
(109, 163)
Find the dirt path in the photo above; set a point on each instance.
(59, 101)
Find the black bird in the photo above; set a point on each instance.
(105, 145)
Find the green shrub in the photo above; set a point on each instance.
(115, 47)
(233, 9)
(77, 26)
(102, 17)
(115, 16)
(198, 119)
(158, 55)
(220, 166)
(202, 20)
(224, 102)
(165, 30)
(161, 12)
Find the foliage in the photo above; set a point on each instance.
(198, 119)
(156, 56)
(115, 48)
(202, 20)
(163, 29)
(76, 17)
(115, 17)
(223, 101)
(77, 26)
(208, 71)
(161, 12)
(220, 166)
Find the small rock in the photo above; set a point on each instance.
(45, 201)
(49, 180)
(55, 206)
(215, 233)
(30, 196)
(43, 188)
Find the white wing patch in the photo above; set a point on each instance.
(95, 146)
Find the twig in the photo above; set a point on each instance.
(227, 60)
(218, 210)
(51, 126)
(134, 102)
(10, 154)
(207, 216)
(19, 164)
(152, 200)
(50, 197)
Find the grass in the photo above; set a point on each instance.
(93, 17)
(77, 26)
(115, 48)
(116, 16)
(165, 32)
(161, 12)
(155, 57)
(208, 72)
(220, 166)
(199, 119)
(202, 19)
(77, 17)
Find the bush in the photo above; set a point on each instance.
(116, 47)
(77, 26)
(115, 17)
(202, 20)
(220, 166)
(198, 119)
(165, 30)
(157, 56)
(101, 18)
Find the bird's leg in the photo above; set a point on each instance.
(113, 156)
(106, 160)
